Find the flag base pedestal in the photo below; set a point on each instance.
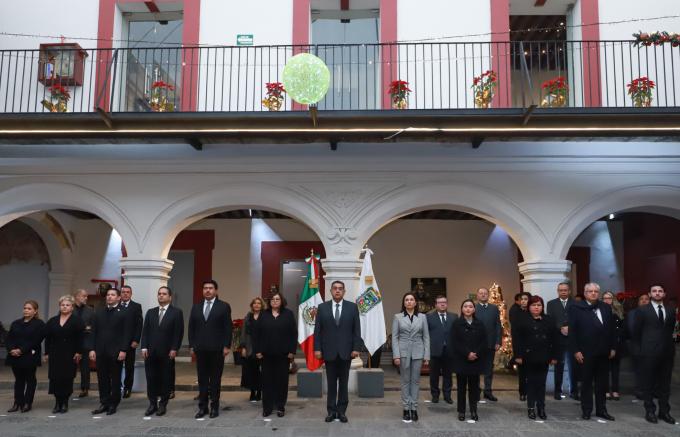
(371, 383)
(309, 383)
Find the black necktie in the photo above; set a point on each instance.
(337, 314)
(660, 315)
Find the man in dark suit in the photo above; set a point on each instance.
(210, 340)
(591, 342)
(633, 346)
(109, 343)
(653, 331)
(134, 312)
(86, 313)
(337, 339)
(161, 339)
(558, 310)
(439, 324)
(488, 314)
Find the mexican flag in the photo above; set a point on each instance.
(309, 301)
(369, 301)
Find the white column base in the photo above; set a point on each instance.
(145, 276)
(542, 277)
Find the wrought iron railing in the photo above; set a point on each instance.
(439, 75)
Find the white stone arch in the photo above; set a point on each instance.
(60, 258)
(24, 199)
(664, 199)
(479, 201)
(190, 209)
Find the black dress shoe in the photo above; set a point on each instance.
(414, 415)
(102, 409)
(214, 412)
(111, 411)
(126, 393)
(252, 396)
(342, 417)
(26, 408)
(162, 409)
(152, 409)
(532, 414)
(558, 396)
(328, 419)
(269, 412)
(202, 412)
(14, 408)
(606, 416)
(585, 416)
(461, 417)
(280, 413)
(258, 396)
(435, 400)
(407, 416)
(540, 412)
(448, 400)
(490, 397)
(667, 418)
(473, 415)
(651, 417)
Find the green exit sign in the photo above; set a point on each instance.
(244, 40)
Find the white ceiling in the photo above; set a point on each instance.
(551, 7)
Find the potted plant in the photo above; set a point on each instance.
(399, 92)
(556, 91)
(483, 88)
(640, 90)
(158, 99)
(59, 97)
(274, 98)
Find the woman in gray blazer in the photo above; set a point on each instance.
(410, 348)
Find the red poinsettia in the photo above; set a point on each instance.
(162, 84)
(556, 86)
(60, 92)
(485, 81)
(237, 323)
(640, 90)
(398, 90)
(275, 89)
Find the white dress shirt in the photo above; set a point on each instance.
(339, 307)
(205, 303)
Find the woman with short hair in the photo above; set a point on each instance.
(275, 345)
(23, 354)
(536, 346)
(64, 335)
(619, 342)
(251, 372)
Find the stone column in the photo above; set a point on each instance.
(145, 276)
(541, 277)
(60, 284)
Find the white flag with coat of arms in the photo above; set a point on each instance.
(369, 301)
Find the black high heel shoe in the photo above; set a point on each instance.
(532, 414)
(16, 407)
(461, 417)
(26, 408)
(473, 415)
(57, 407)
(541, 413)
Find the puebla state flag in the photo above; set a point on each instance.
(309, 302)
(369, 301)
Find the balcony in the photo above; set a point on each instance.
(215, 93)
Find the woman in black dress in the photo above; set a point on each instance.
(536, 345)
(468, 340)
(23, 354)
(251, 371)
(63, 343)
(275, 344)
